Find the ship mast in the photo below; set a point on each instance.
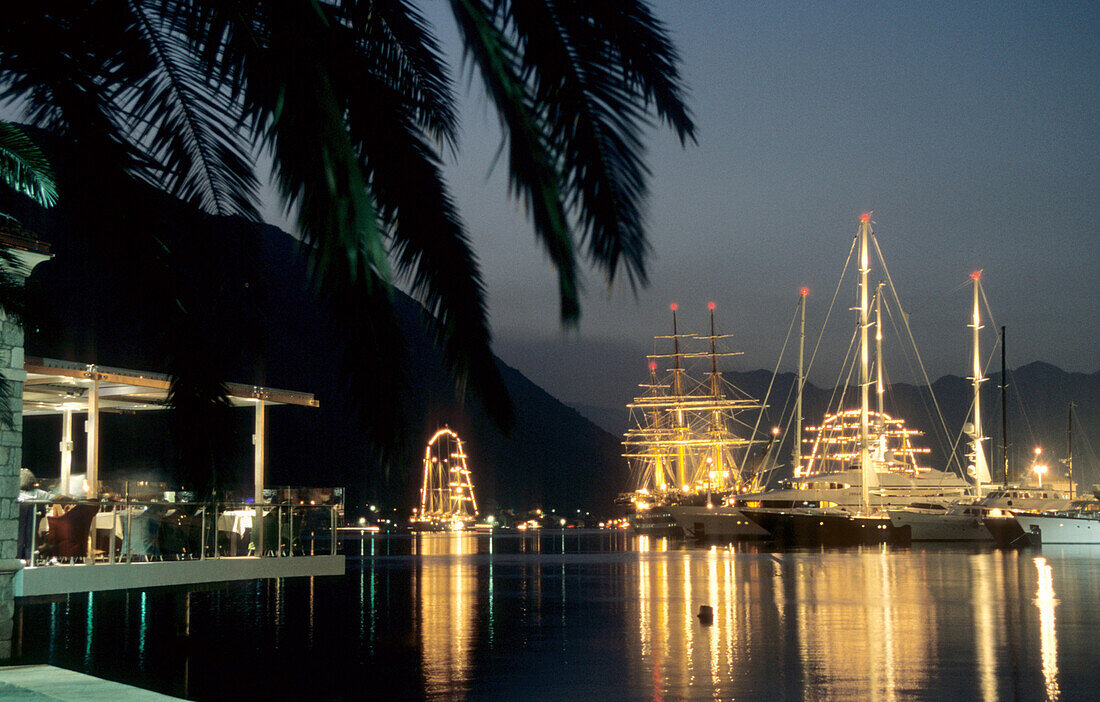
(655, 420)
(981, 467)
(796, 449)
(1069, 440)
(678, 392)
(866, 469)
(715, 469)
(1004, 407)
(880, 386)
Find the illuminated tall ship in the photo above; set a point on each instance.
(447, 493)
(862, 460)
(686, 437)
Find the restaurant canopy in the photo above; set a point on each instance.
(65, 388)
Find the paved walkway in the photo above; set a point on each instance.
(46, 682)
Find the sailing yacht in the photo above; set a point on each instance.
(863, 462)
(960, 520)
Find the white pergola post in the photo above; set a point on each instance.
(258, 494)
(66, 447)
(91, 426)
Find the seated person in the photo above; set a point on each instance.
(29, 514)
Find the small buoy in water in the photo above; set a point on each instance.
(706, 615)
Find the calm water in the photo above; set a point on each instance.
(604, 616)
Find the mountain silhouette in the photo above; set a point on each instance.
(123, 254)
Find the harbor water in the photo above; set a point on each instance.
(602, 616)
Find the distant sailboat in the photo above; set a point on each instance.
(447, 493)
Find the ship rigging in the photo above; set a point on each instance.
(685, 442)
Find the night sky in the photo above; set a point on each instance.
(971, 131)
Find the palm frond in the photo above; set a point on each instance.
(24, 167)
(188, 125)
(289, 92)
(587, 72)
(430, 248)
(642, 47)
(398, 45)
(533, 167)
(290, 68)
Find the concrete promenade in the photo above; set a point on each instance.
(46, 682)
(64, 579)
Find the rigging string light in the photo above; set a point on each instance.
(909, 331)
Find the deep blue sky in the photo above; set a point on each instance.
(970, 129)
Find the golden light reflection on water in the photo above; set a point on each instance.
(860, 624)
(984, 635)
(1048, 639)
(872, 624)
(445, 590)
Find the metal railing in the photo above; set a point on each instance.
(127, 530)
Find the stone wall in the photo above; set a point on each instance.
(22, 254)
(11, 459)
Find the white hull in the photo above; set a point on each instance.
(941, 527)
(655, 521)
(718, 522)
(1061, 530)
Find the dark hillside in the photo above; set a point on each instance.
(121, 250)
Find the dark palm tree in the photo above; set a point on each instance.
(354, 102)
(23, 166)
(24, 169)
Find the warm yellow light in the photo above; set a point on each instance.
(1038, 450)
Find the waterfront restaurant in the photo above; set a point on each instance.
(195, 542)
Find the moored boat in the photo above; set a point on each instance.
(681, 447)
(826, 528)
(1080, 524)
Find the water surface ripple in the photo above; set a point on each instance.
(602, 616)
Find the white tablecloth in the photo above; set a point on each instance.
(117, 518)
(236, 520)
